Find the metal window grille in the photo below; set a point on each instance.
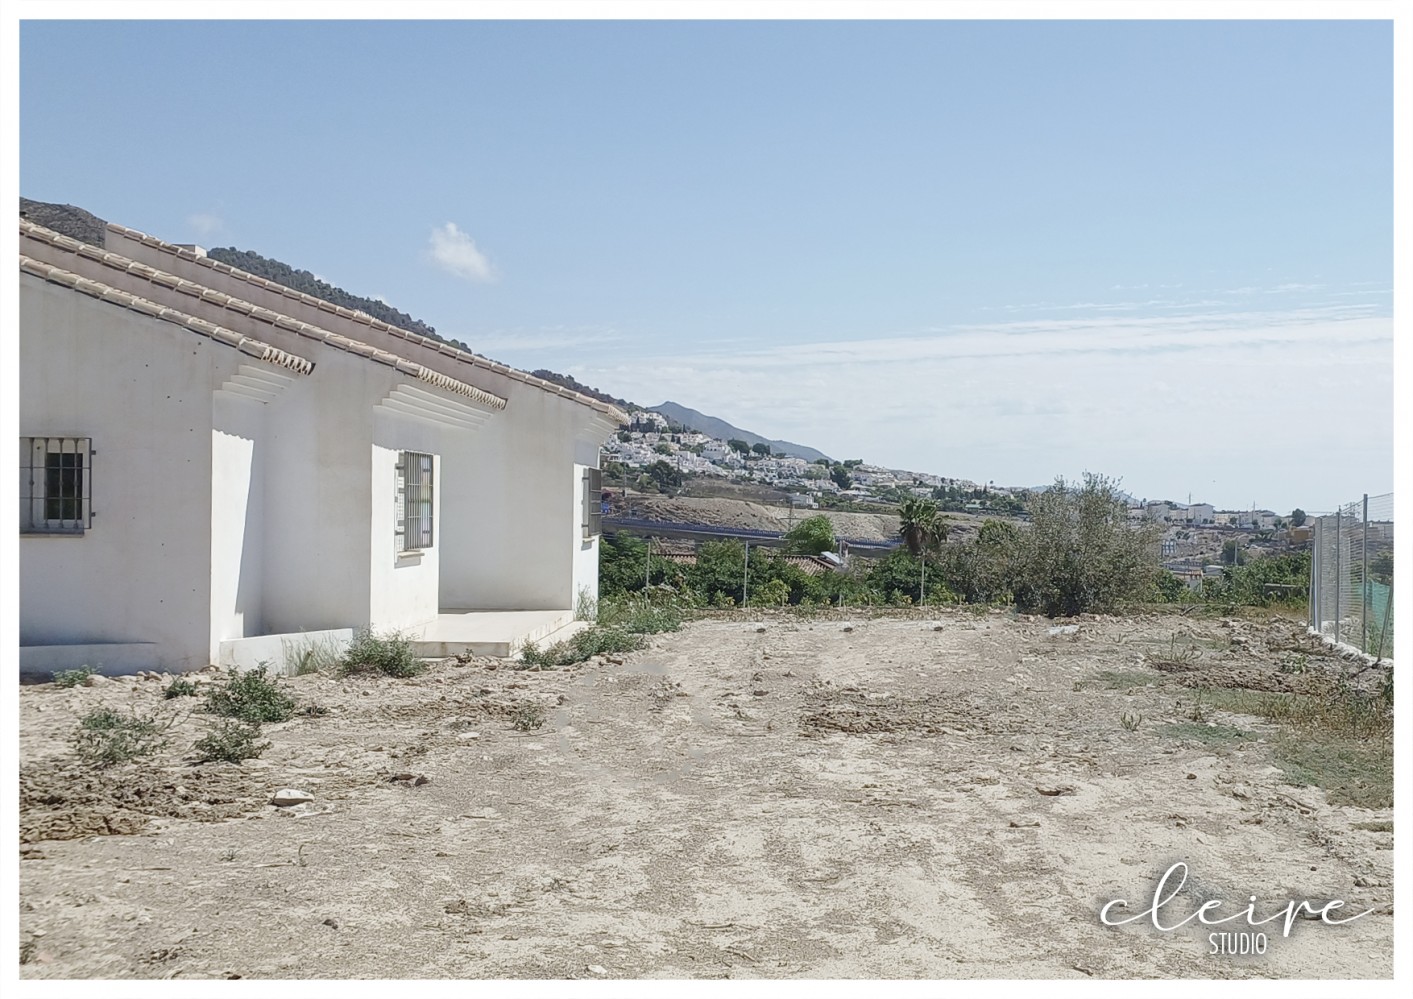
(593, 502)
(414, 501)
(56, 476)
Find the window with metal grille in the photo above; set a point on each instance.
(55, 481)
(414, 501)
(593, 502)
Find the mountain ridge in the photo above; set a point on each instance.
(720, 429)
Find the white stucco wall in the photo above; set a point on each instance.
(404, 589)
(318, 499)
(311, 464)
(585, 550)
(506, 510)
(141, 389)
(237, 519)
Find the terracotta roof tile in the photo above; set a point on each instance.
(106, 293)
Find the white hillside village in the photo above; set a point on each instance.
(652, 438)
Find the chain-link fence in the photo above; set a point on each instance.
(1351, 575)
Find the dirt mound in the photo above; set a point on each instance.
(848, 709)
(60, 799)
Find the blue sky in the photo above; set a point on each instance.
(1000, 250)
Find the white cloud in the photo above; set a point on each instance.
(559, 338)
(1227, 405)
(454, 251)
(205, 224)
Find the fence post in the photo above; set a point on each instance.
(1339, 531)
(1313, 595)
(1364, 584)
(746, 575)
(1388, 610)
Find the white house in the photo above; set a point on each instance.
(216, 468)
(1201, 513)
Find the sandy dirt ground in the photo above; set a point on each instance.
(951, 797)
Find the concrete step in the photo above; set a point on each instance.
(497, 634)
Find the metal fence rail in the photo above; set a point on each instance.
(1351, 576)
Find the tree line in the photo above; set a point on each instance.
(1079, 553)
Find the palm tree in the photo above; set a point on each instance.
(920, 524)
(921, 528)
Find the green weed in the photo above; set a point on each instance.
(106, 737)
(390, 654)
(230, 741)
(251, 696)
(72, 677)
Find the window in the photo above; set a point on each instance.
(55, 477)
(414, 501)
(593, 502)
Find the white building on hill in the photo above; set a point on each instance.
(216, 468)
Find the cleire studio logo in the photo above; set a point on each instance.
(1239, 935)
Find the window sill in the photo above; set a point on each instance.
(412, 557)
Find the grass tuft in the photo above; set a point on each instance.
(1211, 734)
(308, 655)
(528, 717)
(1122, 679)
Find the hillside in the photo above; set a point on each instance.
(575, 385)
(720, 429)
(300, 280)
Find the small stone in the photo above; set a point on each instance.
(332, 923)
(291, 796)
(597, 969)
(1191, 776)
(469, 735)
(96, 680)
(760, 630)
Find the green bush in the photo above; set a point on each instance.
(251, 696)
(1081, 554)
(230, 741)
(586, 644)
(773, 593)
(180, 687)
(72, 677)
(645, 614)
(106, 737)
(390, 654)
(812, 535)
